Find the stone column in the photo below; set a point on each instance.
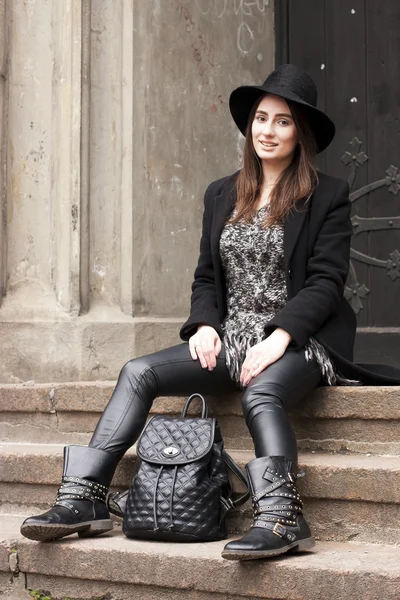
(43, 162)
(41, 201)
(111, 140)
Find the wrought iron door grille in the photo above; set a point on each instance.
(354, 159)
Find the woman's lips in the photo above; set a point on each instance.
(268, 145)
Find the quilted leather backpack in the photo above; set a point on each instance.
(182, 491)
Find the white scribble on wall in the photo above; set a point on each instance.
(252, 18)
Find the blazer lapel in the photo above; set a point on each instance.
(291, 229)
(223, 207)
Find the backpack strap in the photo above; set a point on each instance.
(116, 502)
(204, 408)
(241, 475)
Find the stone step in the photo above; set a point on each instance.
(346, 419)
(113, 566)
(347, 497)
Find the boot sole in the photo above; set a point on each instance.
(46, 533)
(299, 546)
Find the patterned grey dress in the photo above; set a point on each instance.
(253, 262)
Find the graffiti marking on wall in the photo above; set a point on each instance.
(251, 16)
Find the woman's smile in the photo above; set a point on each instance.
(268, 145)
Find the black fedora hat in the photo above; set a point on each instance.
(289, 82)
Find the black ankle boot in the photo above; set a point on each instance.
(80, 506)
(278, 525)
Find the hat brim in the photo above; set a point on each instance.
(243, 98)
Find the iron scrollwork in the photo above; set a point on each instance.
(355, 158)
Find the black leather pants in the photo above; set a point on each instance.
(172, 372)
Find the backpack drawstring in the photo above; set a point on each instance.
(155, 499)
(171, 499)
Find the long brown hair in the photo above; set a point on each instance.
(297, 181)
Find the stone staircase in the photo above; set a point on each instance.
(349, 440)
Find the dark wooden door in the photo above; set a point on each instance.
(352, 51)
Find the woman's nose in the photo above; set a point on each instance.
(267, 128)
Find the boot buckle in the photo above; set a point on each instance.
(279, 530)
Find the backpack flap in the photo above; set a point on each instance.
(171, 441)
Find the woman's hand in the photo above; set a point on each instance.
(205, 345)
(264, 354)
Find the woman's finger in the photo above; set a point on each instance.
(251, 367)
(193, 343)
(205, 345)
(248, 363)
(244, 375)
(206, 350)
(200, 354)
(258, 368)
(192, 351)
(210, 356)
(266, 362)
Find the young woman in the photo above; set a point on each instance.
(267, 316)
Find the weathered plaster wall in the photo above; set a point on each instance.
(200, 50)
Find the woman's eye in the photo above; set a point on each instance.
(283, 122)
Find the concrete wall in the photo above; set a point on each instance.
(114, 118)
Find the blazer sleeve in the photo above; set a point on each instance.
(327, 271)
(203, 302)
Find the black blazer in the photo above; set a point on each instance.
(317, 238)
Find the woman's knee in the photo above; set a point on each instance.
(138, 371)
(260, 397)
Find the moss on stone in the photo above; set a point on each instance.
(38, 595)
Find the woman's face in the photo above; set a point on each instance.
(274, 133)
